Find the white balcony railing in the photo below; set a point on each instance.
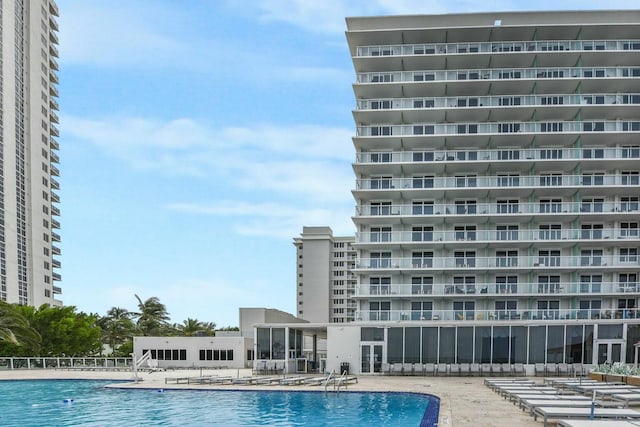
(498, 47)
(485, 236)
(529, 181)
(559, 127)
(463, 263)
(538, 208)
(512, 155)
(537, 74)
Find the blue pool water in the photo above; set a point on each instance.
(89, 403)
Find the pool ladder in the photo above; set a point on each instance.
(337, 382)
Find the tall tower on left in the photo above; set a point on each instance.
(29, 159)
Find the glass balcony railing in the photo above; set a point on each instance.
(485, 236)
(510, 101)
(498, 47)
(463, 263)
(548, 207)
(510, 315)
(420, 291)
(556, 73)
(429, 129)
(524, 155)
(496, 182)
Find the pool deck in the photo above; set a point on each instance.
(464, 401)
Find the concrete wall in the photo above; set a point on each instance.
(250, 316)
(193, 345)
(343, 345)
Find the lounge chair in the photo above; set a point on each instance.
(485, 369)
(454, 369)
(551, 412)
(496, 369)
(518, 369)
(474, 369)
(540, 370)
(441, 369)
(465, 369)
(429, 369)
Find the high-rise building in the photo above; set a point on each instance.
(325, 284)
(28, 148)
(497, 184)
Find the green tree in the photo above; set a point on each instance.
(117, 327)
(15, 329)
(152, 317)
(194, 327)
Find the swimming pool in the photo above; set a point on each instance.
(42, 403)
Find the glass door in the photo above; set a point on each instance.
(371, 358)
(609, 351)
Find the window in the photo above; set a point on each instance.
(380, 260)
(379, 310)
(548, 309)
(591, 257)
(422, 234)
(506, 309)
(380, 208)
(507, 258)
(592, 205)
(463, 285)
(507, 284)
(550, 179)
(508, 180)
(550, 231)
(464, 310)
(380, 157)
(631, 152)
(380, 234)
(629, 204)
(381, 104)
(593, 178)
(591, 231)
(551, 127)
(508, 206)
(421, 285)
(422, 208)
(421, 310)
(549, 153)
(423, 181)
(589, 309)
(629, 255)
(548, 284)
(591, 283)
(550, 205)
(422, 259)
(593, 153)
(381, 182)
(507, 232)
(465, 232)
(548, 258)
(466, 180)
(465, 258)
(627, 282)
(465, 207)
(630, 178)
(508, 154)
(379, 285)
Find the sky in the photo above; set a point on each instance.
(197, 139)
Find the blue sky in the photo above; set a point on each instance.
(198, 138)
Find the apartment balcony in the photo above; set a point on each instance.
(496, 186)
(57, 289)
(56, 277)
(53, 8)
(53, 104)
(53, 23)
(54, 170)
(464, 264)
(53, 38)
(506, 238)
(55, 224)
(55, 250)
(53, 77)
(54, 184)
(53, 91)
(438, 161)
(496, 49)
(493, 315)
(423, 212)
(53, 117)
(56, 263)
(55, 237)
(55, 211)
(54, 131)
(54, 197)
(53, 51)
(54, 144)
(54, 157)
(496, 290)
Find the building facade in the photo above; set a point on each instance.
(497, 186)
(325, 282)
(28, 166)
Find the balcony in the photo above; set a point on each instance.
(56, 263)
(54, 184)
(54, 197)
(57, 290)
(53, 51)
(495, 290)
(53, 8)
(494, 315)
(56, 277)
(480, 236)
(55, 250)
(54, 157)
(549, 46)
(55, 211)
(53, 104)
(55, 237)
(53, 91)
(55, 224)
(53, 77)
(503, 263)
(53, 117)
(53, 23)
(54, 170)
(54, 144)
(53, 38)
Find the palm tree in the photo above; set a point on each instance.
(152, 316)
(194, 327)
(15, 328)
(117, 327)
